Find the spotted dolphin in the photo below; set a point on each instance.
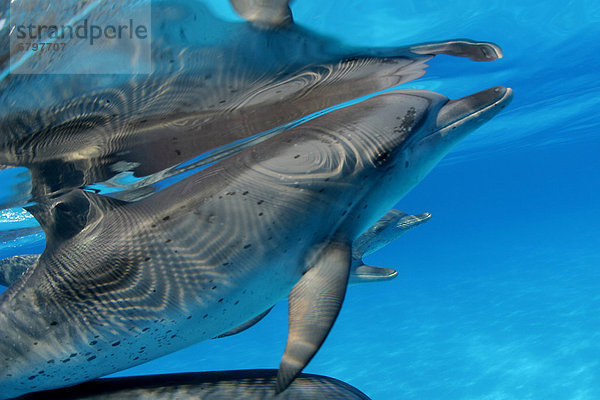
(221, 385)
(391, 226)
(219, 247)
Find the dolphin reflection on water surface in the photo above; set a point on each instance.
(207, 96)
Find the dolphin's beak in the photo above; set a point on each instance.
(471, 111)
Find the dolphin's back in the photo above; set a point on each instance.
(218, 385)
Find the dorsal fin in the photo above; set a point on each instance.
(65, 216)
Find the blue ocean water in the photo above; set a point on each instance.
(497, 296)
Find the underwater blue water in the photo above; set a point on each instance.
(498, 295)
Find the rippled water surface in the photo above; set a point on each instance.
(497, 296)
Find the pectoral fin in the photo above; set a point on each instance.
(314, 304)
(245, 325)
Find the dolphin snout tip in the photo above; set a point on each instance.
(490, 52)
(505, 95)
(494, 96)
(479, 106)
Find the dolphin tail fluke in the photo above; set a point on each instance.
(314, 304)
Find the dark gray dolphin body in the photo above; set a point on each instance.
(394, 224)
(216, 249)
(222, 385)
(391, 226)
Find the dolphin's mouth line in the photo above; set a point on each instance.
(474, 114)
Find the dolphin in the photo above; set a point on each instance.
(391, 226)
(219, 247)
(222, 385)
